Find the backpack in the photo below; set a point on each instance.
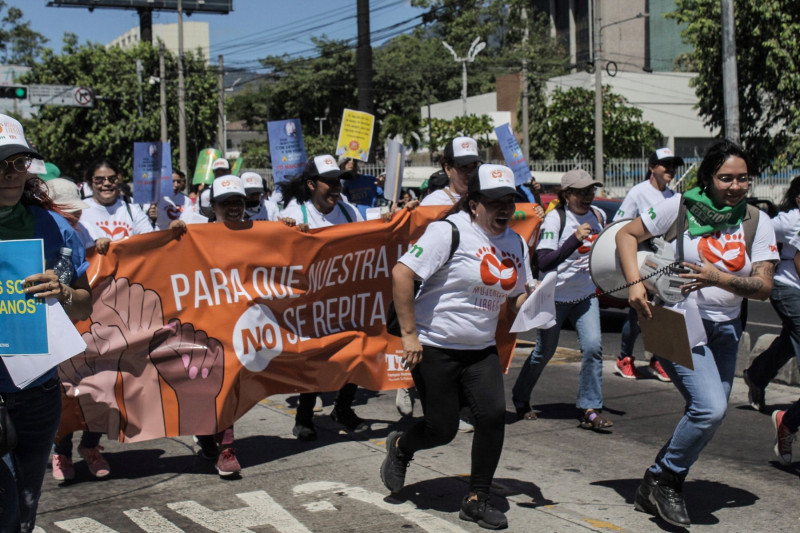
(562, 217)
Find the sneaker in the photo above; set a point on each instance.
(209, 450)
(62, 467)
(658, 371)
(783, 439)
(642, 501)
(98, 466)
(667, 497)
(349, 419)
(404, 402)
(304, 431)
(395, 464)
(227, 464)
(464, 426)
(755, 395)
(626, 368)
(318, 406)
(482, 512)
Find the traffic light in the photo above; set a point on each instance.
(17, 92)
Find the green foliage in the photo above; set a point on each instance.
(72, 137)
(19, 44)
(473, 126)
(768, 64)
(568, 127)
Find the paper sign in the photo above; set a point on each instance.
(203, 172)
(512, 153)
(355, 135)
(395, 164)
(152, 172)
(287, 149)
(24, 369)
(539, 309)
(23, 319)
(666, 335)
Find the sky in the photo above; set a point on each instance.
(254, 29)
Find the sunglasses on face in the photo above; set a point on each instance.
(99, 180)
(17, 165)
(586, 191)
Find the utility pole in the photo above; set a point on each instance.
(598, 96)
(139, 80)
(221, 106)
(364, 60)
(526, 133)
(181, 95)
(730, 81)
(162, 92)
(474, 49)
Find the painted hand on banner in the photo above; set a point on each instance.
(138, 315)
(193, 365)
(91, 377)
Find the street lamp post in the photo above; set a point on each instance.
(476, 46)
(599, 172)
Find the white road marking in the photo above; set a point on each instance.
(149, 520)
(84, 525)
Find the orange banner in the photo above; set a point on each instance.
(185, 337)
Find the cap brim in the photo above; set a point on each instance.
(466, 159)
(677, 160)
(225, 196)
(14, 149)
(499, 192)
(582, 184)
(75, 205)
(341, 174)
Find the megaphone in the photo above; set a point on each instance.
(657, 266)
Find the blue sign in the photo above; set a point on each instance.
(23, 319)
(287, 149)
(512, 153)
(152, 172)
(361, 191)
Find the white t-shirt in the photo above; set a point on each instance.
(787, 231)
(114, 221)
(172, 208)
(440, 197)
(458, 305)
(640, 198)
(574, 281)
(726, 249)
(316, 219)
(266, 210)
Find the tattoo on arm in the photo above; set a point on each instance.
(762, 272)
(713, 278)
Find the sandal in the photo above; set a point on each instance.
(594, 420)
(525, 413)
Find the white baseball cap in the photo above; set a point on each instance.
(220, 163)
(325, 166)
(12, 139)
(492, 181)
(463, 150)
(252, 182)
(225, 187)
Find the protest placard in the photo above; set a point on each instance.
(512, 153)
(355, 134)
(23, 319)
(286, 148)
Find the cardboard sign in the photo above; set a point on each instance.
(355, 134)
(395, 164)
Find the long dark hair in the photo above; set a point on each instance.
(717, 154)
(789, 200)
(100, 163)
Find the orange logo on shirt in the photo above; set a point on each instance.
(728, 249)
(115, 230)
(493, 270)
(587, 243)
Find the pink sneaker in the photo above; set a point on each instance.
(227, 464)
(627, 369)
(62, 467)
(658, 370)
(783, 438)
(98, 466)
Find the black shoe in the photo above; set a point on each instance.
(667, 496)
(642, 501)
(209, 450)
(304, 431)
(756, 395)
(395, 464)
(482, 512)
(349, 419)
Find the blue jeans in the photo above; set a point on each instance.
(630, 332)
(35, 413)
(585, 317)
(706, 390)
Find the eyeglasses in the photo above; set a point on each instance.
(98, 180)
(728, 179)
(18, 165)
(586, 191)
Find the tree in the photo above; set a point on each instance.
(568, 127)
(19, 44)
(72, 136)
(768, 64)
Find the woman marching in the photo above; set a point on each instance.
(723, 267)
(448, 331)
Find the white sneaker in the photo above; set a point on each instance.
(318, 405)
(404, 402)
(464, 426)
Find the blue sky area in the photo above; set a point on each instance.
(254, 29)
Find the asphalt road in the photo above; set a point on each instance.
(553, 476)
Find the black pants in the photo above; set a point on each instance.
(305, 406)
(447, 378)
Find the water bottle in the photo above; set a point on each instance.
(64, 269)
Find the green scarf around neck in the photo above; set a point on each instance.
(16, 223)
(704, 217)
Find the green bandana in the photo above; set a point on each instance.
(704, 217)
(16, 223)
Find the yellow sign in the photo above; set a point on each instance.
(355, 135)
